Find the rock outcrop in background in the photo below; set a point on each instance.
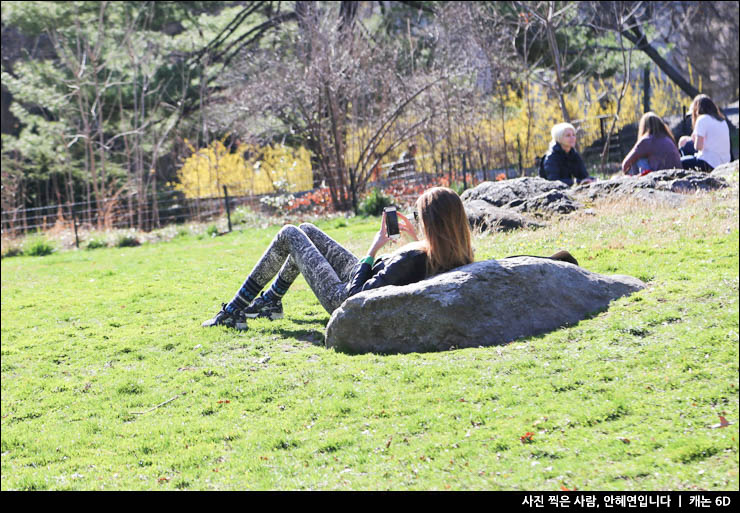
(500, 193)
(548, 203)
(487, 217)
(677, 181)
(500, 205)
(727, 171)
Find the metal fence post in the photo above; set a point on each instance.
(646, 89)
(464, 170)
(228, 211)
(519, 151)
(74, 222)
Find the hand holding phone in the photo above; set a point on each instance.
(404, 225)
(391, 223)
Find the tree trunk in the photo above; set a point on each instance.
(640, 41)
(555, 51)
(503, 128)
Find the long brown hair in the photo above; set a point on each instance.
(651, 124)
(703, 104)
(447, 233)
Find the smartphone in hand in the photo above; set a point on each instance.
(391, 223)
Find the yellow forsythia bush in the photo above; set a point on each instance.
(246, 170)
(490, 139)
(493, 140)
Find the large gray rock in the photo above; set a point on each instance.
(484, 216)
(550, 202)
(726, 171)
(672, 199)
(501, 193)
(481, 304)
(675, 181)
(680, 180)
(529, 194)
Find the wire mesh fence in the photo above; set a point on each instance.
(154, 211)
(160, 209)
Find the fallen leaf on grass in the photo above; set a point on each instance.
(723, 422)
(526, 438)
(224, 401)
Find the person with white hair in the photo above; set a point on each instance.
(562, 161)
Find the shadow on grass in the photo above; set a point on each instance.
(324, 320)
(314, 337)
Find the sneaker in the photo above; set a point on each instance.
(264, 307)
(234, 320)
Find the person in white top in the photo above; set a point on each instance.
(709, 145)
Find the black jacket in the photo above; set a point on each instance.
(564, 166)
(402, 268)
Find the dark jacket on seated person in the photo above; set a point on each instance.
(564, 166)
(397, 269)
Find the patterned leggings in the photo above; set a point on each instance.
(323, 262)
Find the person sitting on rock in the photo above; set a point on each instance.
(709, 145)
(682, 141)
(562, 161)
(654, 150)
(334, 273)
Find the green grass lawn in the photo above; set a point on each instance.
(625, 400)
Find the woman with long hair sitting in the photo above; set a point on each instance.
(709, 145)
(334, 273)
(655, 148)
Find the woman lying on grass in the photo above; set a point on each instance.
(334, 274)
